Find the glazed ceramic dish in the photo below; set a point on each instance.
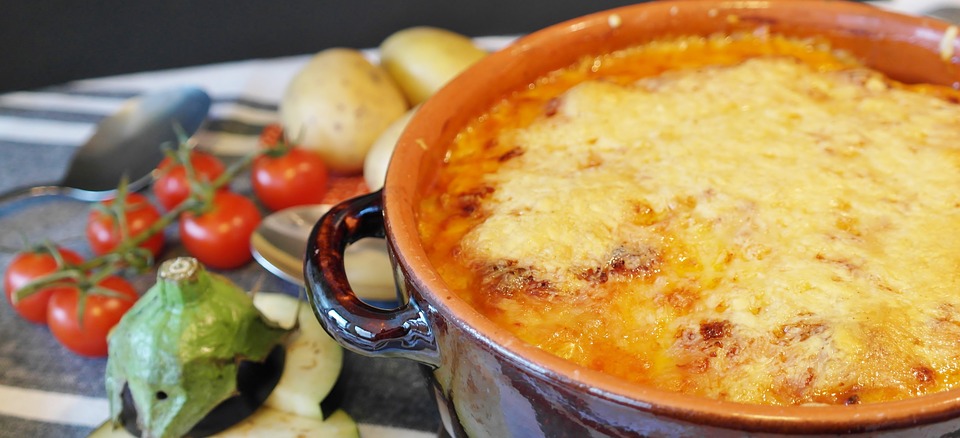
(487, 381)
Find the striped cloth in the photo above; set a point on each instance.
(245, 97)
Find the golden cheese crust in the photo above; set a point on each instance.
(747, 218)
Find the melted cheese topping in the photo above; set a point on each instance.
(773, 226)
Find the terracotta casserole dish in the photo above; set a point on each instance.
(490, 383)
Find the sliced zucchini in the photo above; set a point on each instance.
(314, 361)
(267, 422)
(106, 430)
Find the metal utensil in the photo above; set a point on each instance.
(279, 244)
(946, 13)
(125, 143)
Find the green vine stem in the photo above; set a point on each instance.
(128, 254)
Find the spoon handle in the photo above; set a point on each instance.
(19, 193)
(24, 193)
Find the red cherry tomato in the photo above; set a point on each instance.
(172, 187)
(298, 177)
(103, 231)
(100, 313)
(271, 135)
(220, 237)
(28, 266)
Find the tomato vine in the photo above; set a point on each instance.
(128, 252)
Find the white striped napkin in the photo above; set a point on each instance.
(245, 97)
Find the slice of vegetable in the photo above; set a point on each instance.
(273, 423)
(314, 360)
(179, 347)
(267, 422)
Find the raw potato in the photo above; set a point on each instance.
(375, 165)
(424, 59)
(338, 104)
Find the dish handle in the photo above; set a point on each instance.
(356, 325)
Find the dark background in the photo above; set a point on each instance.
(46, 42)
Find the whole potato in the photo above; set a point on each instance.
(375, 165)
(424, 59)
(338, 104)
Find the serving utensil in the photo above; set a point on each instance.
(946, 13)
(279, 244)
(125, 143)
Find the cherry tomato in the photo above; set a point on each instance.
(103, 231)
(88, 337)
(271, 135)
(172, 187)
(28, 266)
(297, 177)
(220, 237)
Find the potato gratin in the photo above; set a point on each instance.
(749, 218)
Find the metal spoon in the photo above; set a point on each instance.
(279, 244)
(126, 143)
(947, 13)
